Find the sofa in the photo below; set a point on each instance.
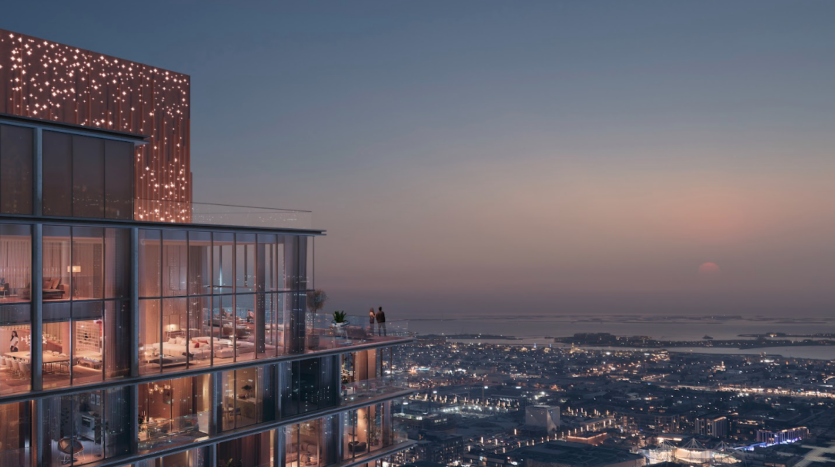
(200, 348)
(53, 289)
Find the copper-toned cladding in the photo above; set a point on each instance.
(51, 81)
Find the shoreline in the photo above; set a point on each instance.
(808, 352)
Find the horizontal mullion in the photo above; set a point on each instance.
(149, 378)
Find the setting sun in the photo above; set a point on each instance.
(709, 269)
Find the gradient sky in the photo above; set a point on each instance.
(507, 157)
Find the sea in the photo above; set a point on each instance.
(541, 329)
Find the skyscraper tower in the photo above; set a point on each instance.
(141, 328)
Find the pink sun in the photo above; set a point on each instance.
(709, 270)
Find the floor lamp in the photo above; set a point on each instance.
(74, 270)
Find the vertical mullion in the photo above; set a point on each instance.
(36, 444)
(234, 328)
(160, 302)
(211, 329)
(73, 288)
(105, 322)
(72, 345)
(133, 426)
(188, 313)
(234, 399)
(212, 454)
(36, 351)
(278, 447)
(134, 301)
(217, 402)
(36, 309)
(37, 176)
(103, 338)
(234, 305)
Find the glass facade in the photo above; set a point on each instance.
(15, 433)
(247, 397)
(173, 412)
(202, 303)
(87, 427)
(84, 176)
(17, 146)
(86, 317)
(15, 312)
(310, 384)
(125, 339)
(205, 299)
(364, 430)
(254, 450)
(215, 298)
(192, 458)
(15, 333)
(125, 336)
(15, 263)
(311, 443)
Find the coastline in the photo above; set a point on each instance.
(801, 352)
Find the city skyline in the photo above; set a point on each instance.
(549, 157)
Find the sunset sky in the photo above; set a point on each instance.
(506, 157)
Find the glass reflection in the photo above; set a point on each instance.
(84, 428)
(15, 263)
(15, 434)
(174, 412)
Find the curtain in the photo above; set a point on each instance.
(16, 261)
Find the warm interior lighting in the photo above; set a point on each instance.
(73, 268)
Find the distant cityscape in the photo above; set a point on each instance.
(562, 405)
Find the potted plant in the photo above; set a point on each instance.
(316, 300)
(340, 318)
(340, 321)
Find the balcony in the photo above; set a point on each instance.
(372, 389)
(324, 334)
(154, 434)
(182, 212)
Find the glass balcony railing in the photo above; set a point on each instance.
(181, 212)
(154, 434)
(371, 389)
(323, 333)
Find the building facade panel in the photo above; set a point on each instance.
(46, 80)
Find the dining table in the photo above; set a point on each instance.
(48, 358)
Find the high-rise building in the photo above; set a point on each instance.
(789, 435)
(717, 426)
(140, 328)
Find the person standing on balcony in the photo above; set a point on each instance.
(381, 322)
(371, 319)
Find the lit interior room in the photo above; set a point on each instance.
(15, 369)
(15, 263)
(174, 411)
